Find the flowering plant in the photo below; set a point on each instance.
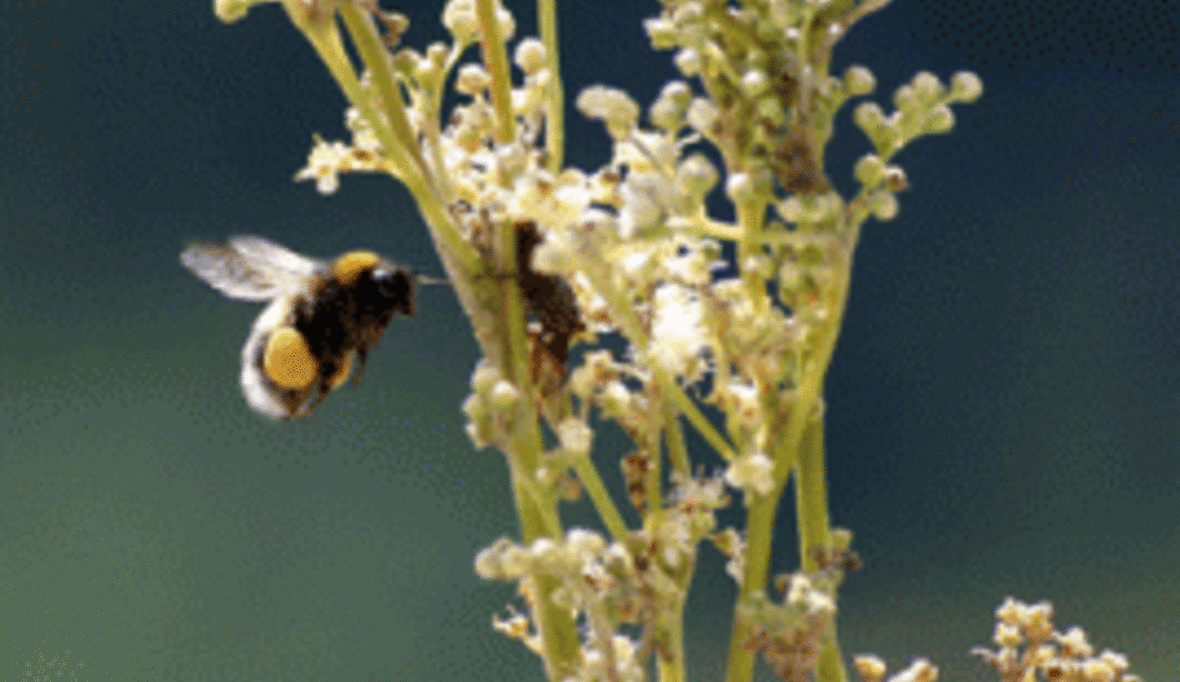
(543, 256)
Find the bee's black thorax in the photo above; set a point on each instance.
(337, 318)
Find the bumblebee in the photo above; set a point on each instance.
(320, 315)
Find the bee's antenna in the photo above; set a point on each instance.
(429, 281)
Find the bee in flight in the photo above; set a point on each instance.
(320, 314)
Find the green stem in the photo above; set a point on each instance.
(759, 531)
(495, 59)
(672, 670)
(674, 439)
(554, 92)
(588, 475)
(376, 59)
(558, 629)
(811, 506)
(811, 495)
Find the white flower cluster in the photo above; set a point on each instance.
(609, 584)
(1058, 656)
(788, 635)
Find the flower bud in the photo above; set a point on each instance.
(695, 176)
(437, 54)
(689, 61)
(613, 106)
(905, 98)
(827, 206)
(229, 11)
(739, 187)
(895, 179)
(484, 378)
(472, 79)
(928, 88)
(869, 117)
(966, 87)
(426, 72)
(870, 668)
(665, 115)
(859, 81)
(885, 206)
(506, 23)
(461, 21)
(575, 436)
(940, 120)
(615, 399)
(754, 82)
(790, 209)
(677, 91)
(661, 32)
(869, 170)
(405, 62)
(702, 115)
(504, 395)
(841, 539)
(530, 55)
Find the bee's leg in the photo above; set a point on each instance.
(322, 393)
(362, 356)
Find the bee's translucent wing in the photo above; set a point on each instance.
(250, 268)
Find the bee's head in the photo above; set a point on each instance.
(388, 286)
(395, 286)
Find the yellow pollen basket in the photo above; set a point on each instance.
(347, 267)
(288, 360)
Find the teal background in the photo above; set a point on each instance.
(1003, 412)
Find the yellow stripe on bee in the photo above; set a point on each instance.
(350, 265)
(288, 360)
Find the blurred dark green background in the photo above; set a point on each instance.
(1003, 413)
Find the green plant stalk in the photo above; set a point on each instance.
(495, 59)
(759, 531)
(558, 630)
(554, 91)
(376, 58)
(674, 440)
(760, 519)
(811, 506)
(538, 517)
(651, 483)
(611, 518)
(672, 670)
(752, 217)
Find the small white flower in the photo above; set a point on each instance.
(612, 106)
(575, 436)
(585, 543)
(966, 86)
(753, 472)
(530, 55)
(678, 332)
(324, 164)
(461, 20)
(645, 198)
(616, 399)
(472, 79)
